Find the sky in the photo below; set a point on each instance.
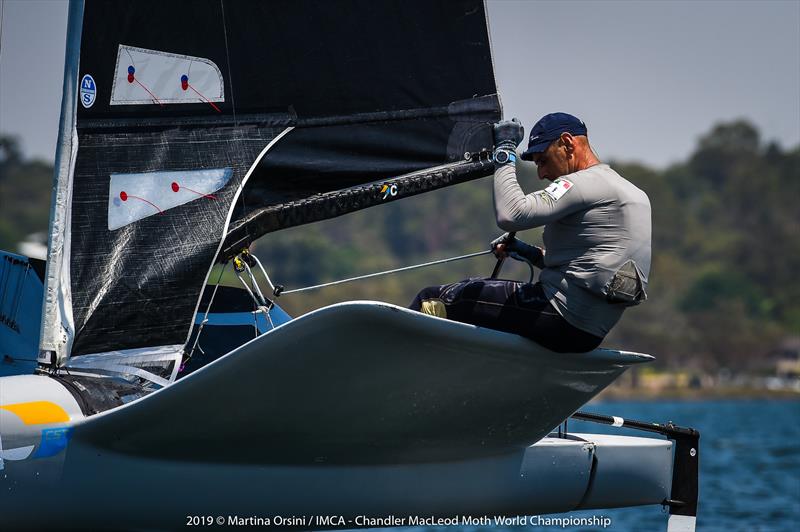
(649, 78)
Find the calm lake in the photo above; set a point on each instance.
(749, 465)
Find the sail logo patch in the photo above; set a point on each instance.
(389, 190)
(133, 197)
(88, 91)
(558, 188)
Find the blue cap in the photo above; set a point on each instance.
(549, 128)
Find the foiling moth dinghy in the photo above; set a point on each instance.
(411, 429)
(183, 139)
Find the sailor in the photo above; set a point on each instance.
(596, 256)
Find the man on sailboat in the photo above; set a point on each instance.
(596, 256)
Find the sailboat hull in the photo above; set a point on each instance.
(360, 408)
(555, 475)
(362, 383)
(359, 383)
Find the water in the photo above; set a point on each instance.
(749, 466)
(749, 462)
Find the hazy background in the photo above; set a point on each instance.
(648, 78)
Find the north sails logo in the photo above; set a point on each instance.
(88, 91)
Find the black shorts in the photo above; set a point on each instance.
(510, 306)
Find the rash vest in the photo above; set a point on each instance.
(595, 222)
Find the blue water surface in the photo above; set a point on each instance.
(749, 466)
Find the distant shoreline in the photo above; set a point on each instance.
(686, 394)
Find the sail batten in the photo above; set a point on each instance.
(472, 109)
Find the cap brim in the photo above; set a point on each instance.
(527, 155)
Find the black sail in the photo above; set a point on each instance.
(359, 102)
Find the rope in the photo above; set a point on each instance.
(269, 281)
(262, 304)
(205, 316)
(249, 291)
(228, 56)
(396, 270)
(20, 291)
(261, 301)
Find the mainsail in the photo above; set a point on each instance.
(191, 127)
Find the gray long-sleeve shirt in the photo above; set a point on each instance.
(594, 222)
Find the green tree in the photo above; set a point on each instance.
(24, 194)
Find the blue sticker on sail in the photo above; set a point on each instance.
(88, 92)
(53, 442)
(133, 197)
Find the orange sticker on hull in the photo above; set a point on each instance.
(38, 412)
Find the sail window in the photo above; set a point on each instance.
(132, 197)
(145, 76)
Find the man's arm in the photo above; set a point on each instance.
(516, 211)
(513, 209)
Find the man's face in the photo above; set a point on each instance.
(553, 162)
